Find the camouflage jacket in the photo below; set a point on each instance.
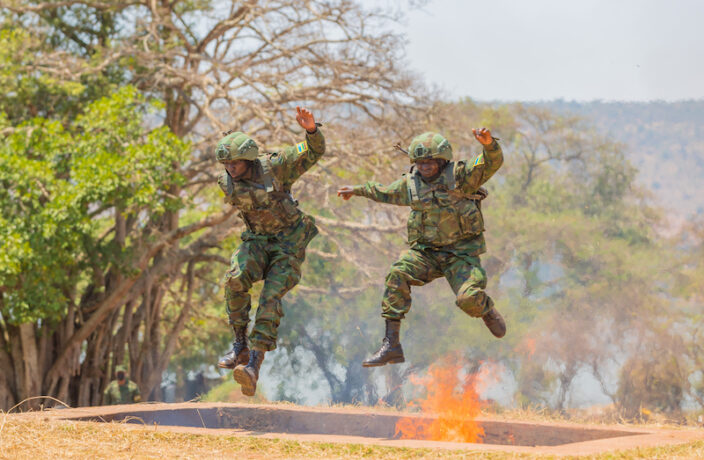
(121, 394)
(443, 215)
(264, 201)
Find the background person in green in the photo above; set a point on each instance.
(273, 246)
(121, 390)
(445, 233)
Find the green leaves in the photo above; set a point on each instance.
(60, 187)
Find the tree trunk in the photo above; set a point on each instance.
(8, 394)
(30, 379)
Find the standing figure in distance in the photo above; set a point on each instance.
(445, 233)
(274, 243)
(122, 390)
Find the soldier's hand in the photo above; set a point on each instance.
(345, 192)
(483, 136)
(305, 118)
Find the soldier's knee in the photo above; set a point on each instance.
(276, 287)
(472, 302)
(396, 278)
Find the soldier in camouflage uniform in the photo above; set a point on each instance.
(121, 390)
(445, 233)
(273, 245)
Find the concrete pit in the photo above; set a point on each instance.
(361, 425)
(262, 419)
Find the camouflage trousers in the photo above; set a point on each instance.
(417, 267)
(276, 260)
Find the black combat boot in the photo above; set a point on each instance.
(239, 353)
(495, 322)
(391, 351)
(248, 375)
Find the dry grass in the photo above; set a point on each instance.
(41, 437)
(589, 417)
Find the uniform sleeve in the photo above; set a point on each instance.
(289, 165)
(394, 193)
(480, 170)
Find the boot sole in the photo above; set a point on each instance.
(242, 377)
(391, 361)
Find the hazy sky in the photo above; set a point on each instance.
(630, 50)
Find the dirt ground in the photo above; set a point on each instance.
(357, 425)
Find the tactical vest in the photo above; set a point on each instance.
(440, 213)
(267, 208)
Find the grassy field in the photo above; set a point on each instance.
(40, 438)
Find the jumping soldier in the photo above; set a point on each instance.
(273, 245)
(445, 233)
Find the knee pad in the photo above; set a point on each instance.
(472, 303)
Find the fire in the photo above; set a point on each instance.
(454, 403)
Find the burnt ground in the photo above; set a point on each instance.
(369, 426)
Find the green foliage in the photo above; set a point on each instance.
(57, 184)
(664, 140)
(27, 95)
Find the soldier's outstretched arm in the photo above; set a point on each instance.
(296, 160)
(395, 193)
(480, 170)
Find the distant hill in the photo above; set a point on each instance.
(665, 141)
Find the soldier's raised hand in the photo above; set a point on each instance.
(483, 135)
(305, 118)
(345, 192)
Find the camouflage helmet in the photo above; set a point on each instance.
(429, 145)
(236, 146)
(120, 368)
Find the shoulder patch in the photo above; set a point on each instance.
(479, 160)
(302, 147)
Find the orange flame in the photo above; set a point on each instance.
(453, 402)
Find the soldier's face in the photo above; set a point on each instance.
(428, 168)
(237, 168)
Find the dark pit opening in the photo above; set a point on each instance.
(379, 426)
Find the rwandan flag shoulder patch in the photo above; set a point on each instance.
(479, 160)
(302, 147)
